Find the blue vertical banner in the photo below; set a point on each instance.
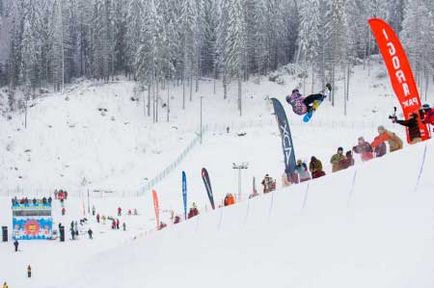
(207, 182)
(184, 193)
(285, 133)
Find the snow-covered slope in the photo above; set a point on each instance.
(368, 226)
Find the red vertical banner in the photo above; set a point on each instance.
(399, 70)
(156, 207)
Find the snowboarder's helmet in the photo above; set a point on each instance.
(426, 106)
(341, 149)
(381, 128)
(299, 162)
(295, 91)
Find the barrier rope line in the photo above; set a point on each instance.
(305, 196)
(350, 194)
(422, 166)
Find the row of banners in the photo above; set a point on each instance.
(206, 182)
(403, 84)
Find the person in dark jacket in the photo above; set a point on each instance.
(380, 150)
(177, 219)
(16, 245)
(315, 168)
(413, 127)
(29, 271)
(90, 232)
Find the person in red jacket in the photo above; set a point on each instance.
(427, 114)
(364, 149)
(193, 211)
(348, 161)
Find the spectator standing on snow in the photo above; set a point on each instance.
(117, 224)
(16, 245)
(93, 210)
(395, 143)
(97, 218)
(268, 184)
(177, 219)
(72, 233)
(427, 114)
(119, 211)
(336, 160)
(124, 226)
(63, 211)
(301, 170)
(315, 167)
(364, 149)
(193, 211)
(413, 127)
(90, 233)
(380, 150)
(229, 199)
(29, 271)
(348, 161)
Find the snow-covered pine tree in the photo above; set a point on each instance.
(417, 38)
(189, 30)
(209, 45)
(255, 37)
(232, 44)
(338, 51)
(309, 35)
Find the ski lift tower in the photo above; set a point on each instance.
(239, 167)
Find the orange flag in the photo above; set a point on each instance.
(156, 207)
(400, 72)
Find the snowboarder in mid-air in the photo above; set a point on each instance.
(302, 105)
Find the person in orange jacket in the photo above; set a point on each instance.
(395, 143)
(229, 199)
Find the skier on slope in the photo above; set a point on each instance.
(302, 105)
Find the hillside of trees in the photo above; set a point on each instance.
(47, 43)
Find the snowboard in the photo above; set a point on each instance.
(316, 103)
(309, 114)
